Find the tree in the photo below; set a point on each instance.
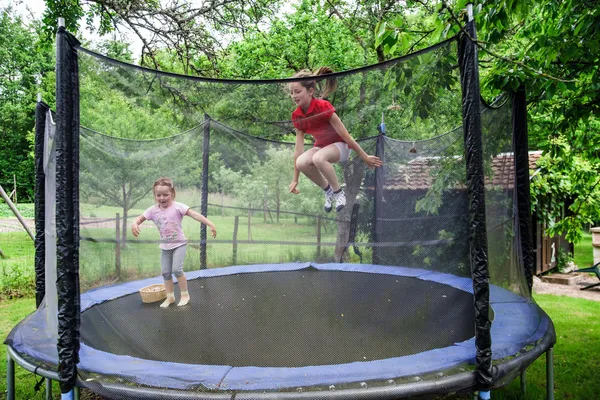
(545, 47)
(187, 28)
(24, 65)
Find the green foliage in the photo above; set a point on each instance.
(563, 259)
(307, 38)
(24, 65)
(544, 46)
(16, 271)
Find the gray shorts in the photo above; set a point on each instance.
(171, 262)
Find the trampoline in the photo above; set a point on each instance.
(290, 326)
(419, 287)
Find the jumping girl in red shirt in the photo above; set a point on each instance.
(317, 117)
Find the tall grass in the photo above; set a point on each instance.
(258, 242)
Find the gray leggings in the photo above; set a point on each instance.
(171, 262)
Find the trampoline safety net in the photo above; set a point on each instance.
(288, 296)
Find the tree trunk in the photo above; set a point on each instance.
(124, 229)
(117, 248)
(278, 200)
(353, 176)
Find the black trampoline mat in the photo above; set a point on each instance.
(286, 319)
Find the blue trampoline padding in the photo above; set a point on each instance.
(518, 322)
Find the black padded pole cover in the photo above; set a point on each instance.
(41, 110)
(204, 194)
(67, 207)
(469, 76)
(521, 151)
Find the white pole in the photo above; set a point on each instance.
(470, 11)
(61, 22)
(39, 97)
(16, 212)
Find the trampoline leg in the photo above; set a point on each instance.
(475, 395)
(485, 395)
(77, 394)
(48, 389)
(550, 374)
(10, 377)
(523, 382)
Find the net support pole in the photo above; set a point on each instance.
(10, 377)
(550, 374)
(379, 180)
(523, 199)
(204, 194)
(478, 249)
(67, 207)
(39, 200)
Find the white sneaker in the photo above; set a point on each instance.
(328, 200)
(340, 200)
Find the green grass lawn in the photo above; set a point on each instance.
(577, 352)
(25, 209)
(584, 253)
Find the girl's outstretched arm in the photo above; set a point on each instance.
(338, 125)
(135, 227)
(298, 150)
(203, 220)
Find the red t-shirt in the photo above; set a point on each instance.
(315, 122)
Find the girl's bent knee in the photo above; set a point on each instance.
(318, 160)
(167, 276)
(179, 274)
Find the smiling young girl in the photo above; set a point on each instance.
(316, 116)
(167, 215)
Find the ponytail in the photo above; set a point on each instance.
(330, 84)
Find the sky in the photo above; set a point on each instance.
(29, 9)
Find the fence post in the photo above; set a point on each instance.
(318, 237)
(250, 223)
(118, 246)
(15, 189)
(235, 233)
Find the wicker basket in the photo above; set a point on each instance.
(153, 293)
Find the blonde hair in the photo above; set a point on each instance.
(164, 181)
(330, 84)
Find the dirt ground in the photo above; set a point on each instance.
(569, 290)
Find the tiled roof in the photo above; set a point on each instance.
(417, 174)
